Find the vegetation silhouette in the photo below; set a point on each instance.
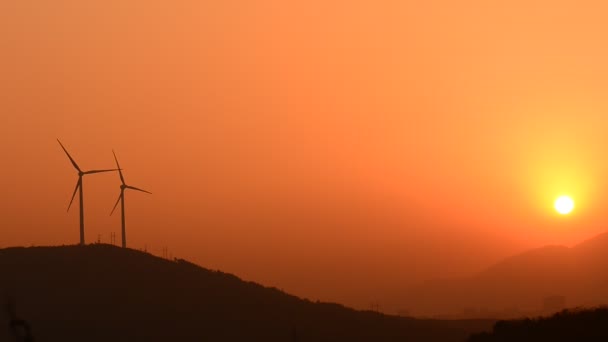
(107, 293)
(19, 328)
(567, 325)
(121, 199)
(79, 188)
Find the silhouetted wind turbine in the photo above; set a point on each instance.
(79, 187)
(121, 199)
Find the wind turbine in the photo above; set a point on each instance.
(121, 199)
(79, 187)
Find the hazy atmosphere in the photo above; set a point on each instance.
(338, 150)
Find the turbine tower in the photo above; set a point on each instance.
(121, 199)
(79, 189)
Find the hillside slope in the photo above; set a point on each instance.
(105, 293)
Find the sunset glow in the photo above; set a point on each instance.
(564, 205)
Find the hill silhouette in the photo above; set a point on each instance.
(105, 293)
(518, 285)
(567, 325)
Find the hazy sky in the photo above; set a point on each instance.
(340, 150)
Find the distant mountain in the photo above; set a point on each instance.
(105, 293)
(520, 284)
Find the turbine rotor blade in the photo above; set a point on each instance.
(122, 179)
(137, 189)
(69, 156)
(116, 205)
(98, 171)
(78, 184)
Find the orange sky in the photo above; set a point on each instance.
(338, 150)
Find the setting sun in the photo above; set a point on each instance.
(564, 205)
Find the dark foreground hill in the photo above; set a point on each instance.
(577, 325)
(105, 293)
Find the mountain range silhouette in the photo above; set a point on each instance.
(105, 293)
(518, 285)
